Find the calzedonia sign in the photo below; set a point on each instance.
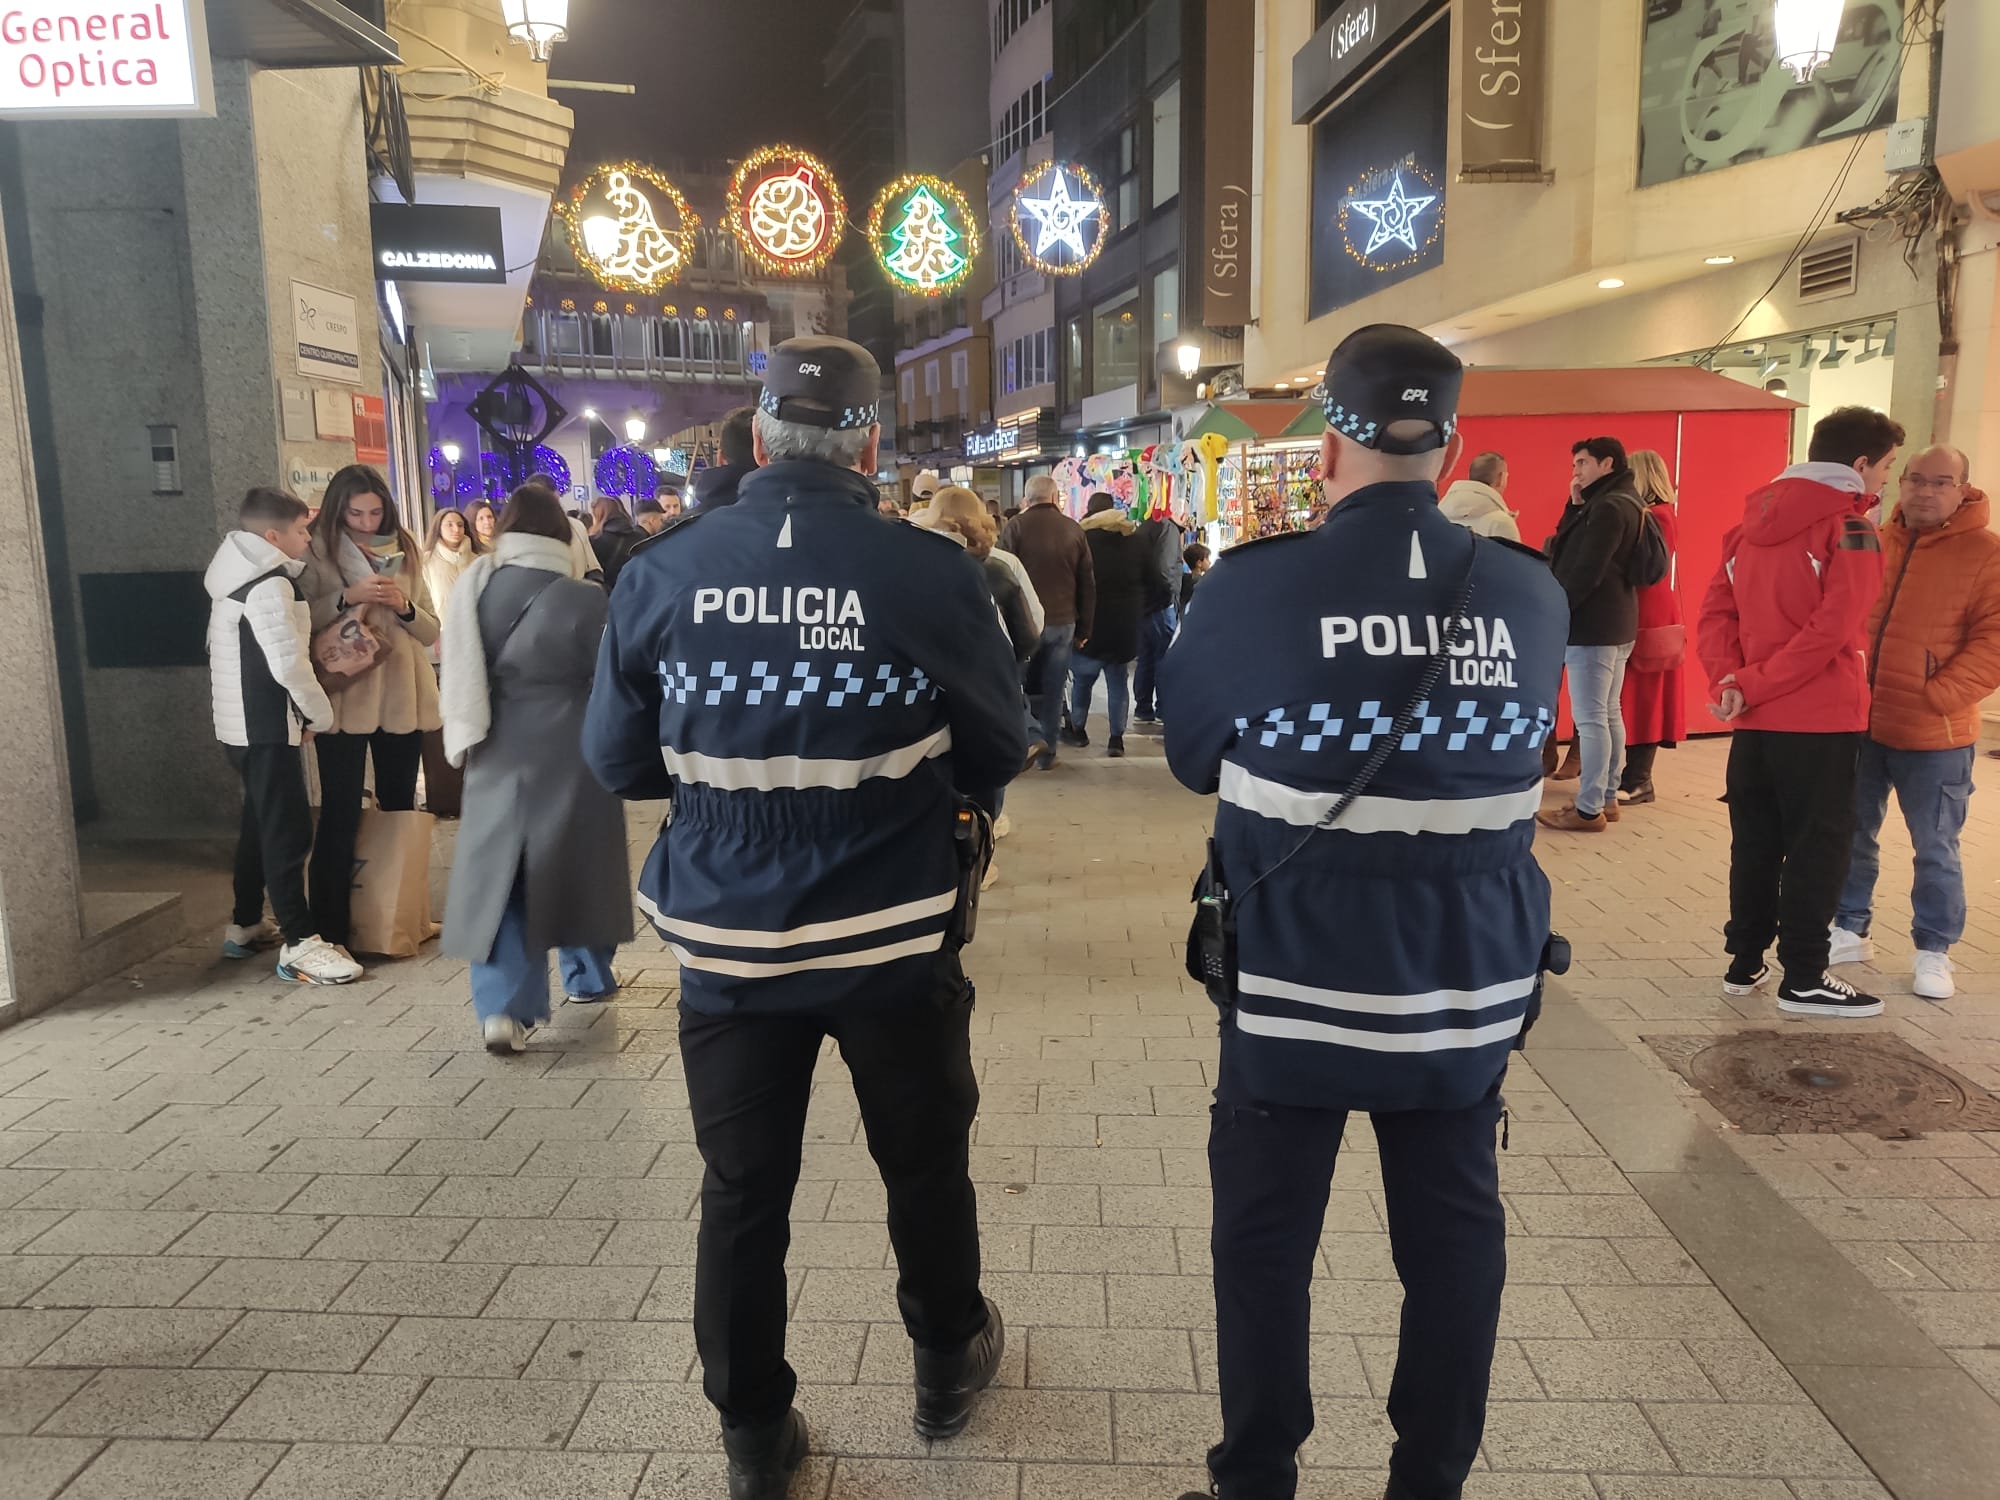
(1357, 33)
(437, 242)
(104, 60)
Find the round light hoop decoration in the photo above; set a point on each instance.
(1392, 216)
(786, 211)
(1058, 218)
(924, 235)
(630, 228)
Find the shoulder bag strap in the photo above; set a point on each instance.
(519, 615)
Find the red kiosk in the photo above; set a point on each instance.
(1721, 439)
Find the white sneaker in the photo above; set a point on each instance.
(992, 875)
(1851, 948)
(1933, 976)
(504, 1034)
(316, 961)
(248, 942)
(1002, 826)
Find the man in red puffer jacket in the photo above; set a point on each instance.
(1783, 637)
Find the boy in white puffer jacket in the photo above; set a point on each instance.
(267, 704)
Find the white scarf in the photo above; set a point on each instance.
(464, 691)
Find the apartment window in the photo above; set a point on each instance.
(1120, 175)
(1166, 304)
(1115, 342)
(1167, 145)
(931, 378)
(961, 370)
(1009, 16)
(909, 387)
(1009, 358)
(1073, 361)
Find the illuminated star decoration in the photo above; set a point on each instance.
(1060, 218)
(1394, 217)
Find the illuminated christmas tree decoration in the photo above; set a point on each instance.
(924, 235)
(786, 211)
(630, 228)
(1058, 218)
(1392, 217)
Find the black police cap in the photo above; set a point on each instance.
(822, 382)
(1386, 373)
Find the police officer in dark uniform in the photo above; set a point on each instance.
(824, 695)
(1370, 700)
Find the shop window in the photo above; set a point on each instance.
(1167, 145)
(1115, 342)
(1166, 305)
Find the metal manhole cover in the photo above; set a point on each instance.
(1802, 1083)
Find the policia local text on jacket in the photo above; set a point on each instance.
(1296, 658)
(813, 685)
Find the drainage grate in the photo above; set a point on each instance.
(1803, 1083)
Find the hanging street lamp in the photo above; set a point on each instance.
(538, 23)
(1806, 32)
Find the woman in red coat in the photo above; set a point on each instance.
(1655, 714)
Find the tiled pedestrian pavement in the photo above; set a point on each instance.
(315, 1243)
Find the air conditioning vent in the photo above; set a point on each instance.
(1830, 271)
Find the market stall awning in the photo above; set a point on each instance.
(1257, 421)
(1609, 392)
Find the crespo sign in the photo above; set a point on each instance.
(99, 58)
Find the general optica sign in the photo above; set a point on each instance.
(101, 59)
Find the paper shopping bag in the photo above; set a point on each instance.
(391, 904)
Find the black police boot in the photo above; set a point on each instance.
(762, 1460)
(946, 1383)
(1399, 1491)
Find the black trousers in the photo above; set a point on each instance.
(343, 768)
(1272, 1167)
(274, 840)
(749, 1078)
(1791, 821)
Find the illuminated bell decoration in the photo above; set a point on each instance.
(1807, 31)
(924, 235)
(786, 211)
(1058, 218)
(630, 228)
(1391, 216)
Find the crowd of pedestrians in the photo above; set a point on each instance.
(833, 703)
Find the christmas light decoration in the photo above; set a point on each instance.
(626, 472)
(924, 235)
(1061, 206)
(786, 211)
(1392, 216)
(630, 228)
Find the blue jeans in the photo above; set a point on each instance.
(1932, 788)
(1156, 633)
(515, 982)
(1596, 676)
(1084, 670)
(1047, 670)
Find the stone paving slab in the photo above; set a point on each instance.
(258, 1240)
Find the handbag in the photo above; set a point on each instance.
(1662, 648)
(348, 649)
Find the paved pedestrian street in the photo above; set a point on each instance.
(287, 1242)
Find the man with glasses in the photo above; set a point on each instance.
(1933, 656)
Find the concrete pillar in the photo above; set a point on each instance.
(41, 926)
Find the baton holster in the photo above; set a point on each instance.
(972, 840)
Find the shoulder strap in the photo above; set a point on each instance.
(519, 615)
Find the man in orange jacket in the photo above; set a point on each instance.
(1933, 655)
(1783, 640)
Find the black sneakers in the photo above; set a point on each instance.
(1116, 746)
(762, 1460)
(946, 1383)
(1746, 976)
(1828, 995)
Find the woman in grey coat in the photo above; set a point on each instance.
(541, 860)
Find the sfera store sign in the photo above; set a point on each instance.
(437, 242)
(103, 60)
(1355, 35)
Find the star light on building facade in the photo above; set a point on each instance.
(1394, 216)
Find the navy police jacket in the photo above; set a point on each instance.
(811, 684)
(1390, 963)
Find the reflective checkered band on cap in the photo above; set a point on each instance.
(1350, 423)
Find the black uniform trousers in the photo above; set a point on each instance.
(275, 839)
(1791, 824)
(749, 1079)
(1272, 1168)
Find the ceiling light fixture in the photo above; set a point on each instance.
(1610, 284)
(1720, 260)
